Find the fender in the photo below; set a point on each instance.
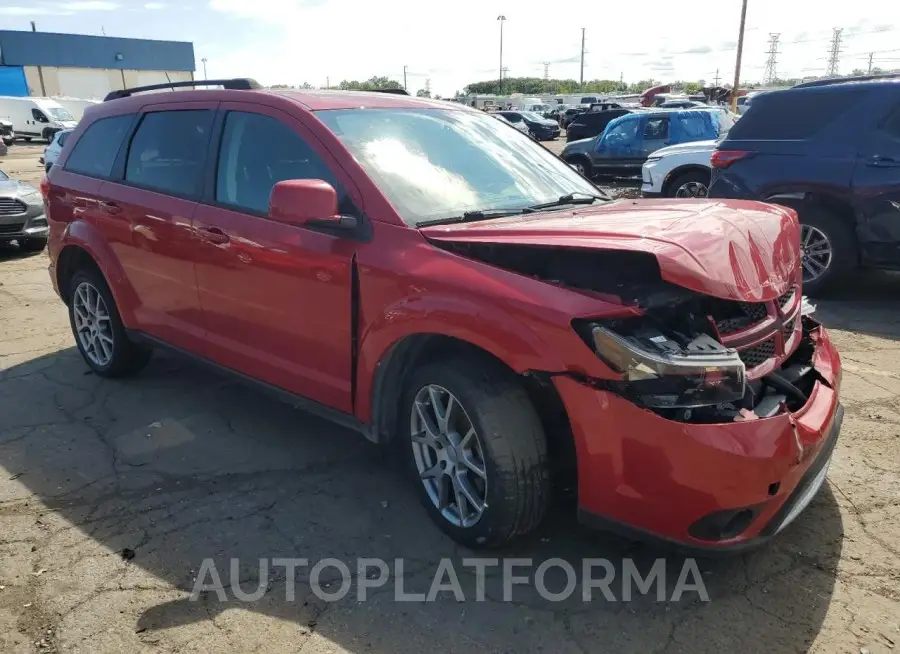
(87, 237)
(487, 327)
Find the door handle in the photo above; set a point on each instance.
(214, 235)
(883, 162)
(110, 207)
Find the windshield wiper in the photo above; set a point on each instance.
(471, 216)
(571, 198)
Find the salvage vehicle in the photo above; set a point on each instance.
(542, 129)
(591, 123)
(628, 141)
(447, 287)
(520, 126)
(7, 133)
(22, 214)
(678, 171)
(793, 147)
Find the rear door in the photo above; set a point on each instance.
(876, 184)
(151, 208)
(655, 135)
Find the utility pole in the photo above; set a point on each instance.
(404, 79)
(716, 83)
(771, 73)
(834, 53)
(581, 77)
(737, 64)
(204, 67)
(502, 20)
(871, 55)
(427, 87)
(327, 82)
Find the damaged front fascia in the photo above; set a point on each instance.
(797, 371)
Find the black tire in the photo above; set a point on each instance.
(692, 176)
(512, 441)
(27, 139)
(842, 238)
(127, 357)
(584, 163)
(33, 244)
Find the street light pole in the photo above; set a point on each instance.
(502, 20)
(737, 63)
(404, 79)
(204, 67)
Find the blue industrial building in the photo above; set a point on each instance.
(76, 65)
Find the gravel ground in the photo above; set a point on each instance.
(113, 492)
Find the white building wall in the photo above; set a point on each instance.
(93, 83)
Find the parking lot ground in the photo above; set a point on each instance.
(113, 492)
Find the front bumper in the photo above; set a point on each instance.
(31, 224)
(652, 478)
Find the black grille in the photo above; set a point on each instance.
(15, 228)
(739, 315)
(753, 356)
(789, 329)
(785, 300)
(12, 207)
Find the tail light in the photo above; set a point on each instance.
(45, 188)
(724, 158)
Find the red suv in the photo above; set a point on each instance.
(431, 277)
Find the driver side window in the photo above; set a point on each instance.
(38, 116)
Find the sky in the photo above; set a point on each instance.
(451, 44)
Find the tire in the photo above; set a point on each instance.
(842, 240)
(33, 244)
(692, 180)
(125, 356)
(27, 139)
(509, 438)
(583, 166)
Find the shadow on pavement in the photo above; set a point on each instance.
(868, 302)
(181, 464)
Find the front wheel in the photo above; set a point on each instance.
(476, 451)
(694, 184)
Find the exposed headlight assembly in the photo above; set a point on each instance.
(667, 370)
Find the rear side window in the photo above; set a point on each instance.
(95, 151)
(62, 138)
(657, 128)
(793, 115)
(168, 152)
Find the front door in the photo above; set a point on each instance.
(276, 297)
(876, 181)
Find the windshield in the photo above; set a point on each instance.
(438, 163)
(59, 113)
(530, 115)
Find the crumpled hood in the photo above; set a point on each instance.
(732, 249)
(693, 146)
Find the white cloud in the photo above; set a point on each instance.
(60, 9)
(89, 5)
(155, 5)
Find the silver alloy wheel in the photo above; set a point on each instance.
(579, 168)
(448, 456)
(92, 324)
(815, 252)
(692, 190)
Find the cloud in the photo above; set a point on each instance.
(89, 5)
(698, 50)
(155, 5)
(60, 9)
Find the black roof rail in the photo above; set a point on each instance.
(394, 91)
(840, 80)
(239, 83)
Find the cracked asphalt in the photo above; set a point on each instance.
(112, 493)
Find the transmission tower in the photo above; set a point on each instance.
(834, 53)
(546, 70)
(771, 73)
(428, 86)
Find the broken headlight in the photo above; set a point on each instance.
(668, 370)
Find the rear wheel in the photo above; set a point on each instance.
(827, 248)
(582, 165)
(693, 184)
(476, 451)
(99, 334)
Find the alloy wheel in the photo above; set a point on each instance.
(815, 252)
(692, 190)
(448, 456)
(92, 324)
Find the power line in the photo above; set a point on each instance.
(835, 53)
(771, 72)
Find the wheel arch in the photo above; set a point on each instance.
(678, 171)
(801, 199)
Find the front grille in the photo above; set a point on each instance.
(760, 353)
(786, 300)
(735, 316)
(14, 228)
(12, 207)
(789, 329)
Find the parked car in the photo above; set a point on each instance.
(542, 129)
(51, 152)
(557, 112)
(35, 117)
(459, 294)
(7, 133)
(520, 125)
(678, 171)
(22, 216)
(591, 123)
(569, 114)
(831, 151)
(682, 104)
(627, 141)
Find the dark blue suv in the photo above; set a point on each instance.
(831, 151)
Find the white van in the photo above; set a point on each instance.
(34, 118)
(76, 106)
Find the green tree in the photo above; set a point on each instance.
(371, 84)
(422, 93)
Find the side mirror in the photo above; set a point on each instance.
(306, 202)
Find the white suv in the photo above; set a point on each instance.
(678, 171)
(51, 152)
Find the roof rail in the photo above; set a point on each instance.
(240, 83)
(840, 80)
(394, 91)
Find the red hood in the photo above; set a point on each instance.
(731, 249)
